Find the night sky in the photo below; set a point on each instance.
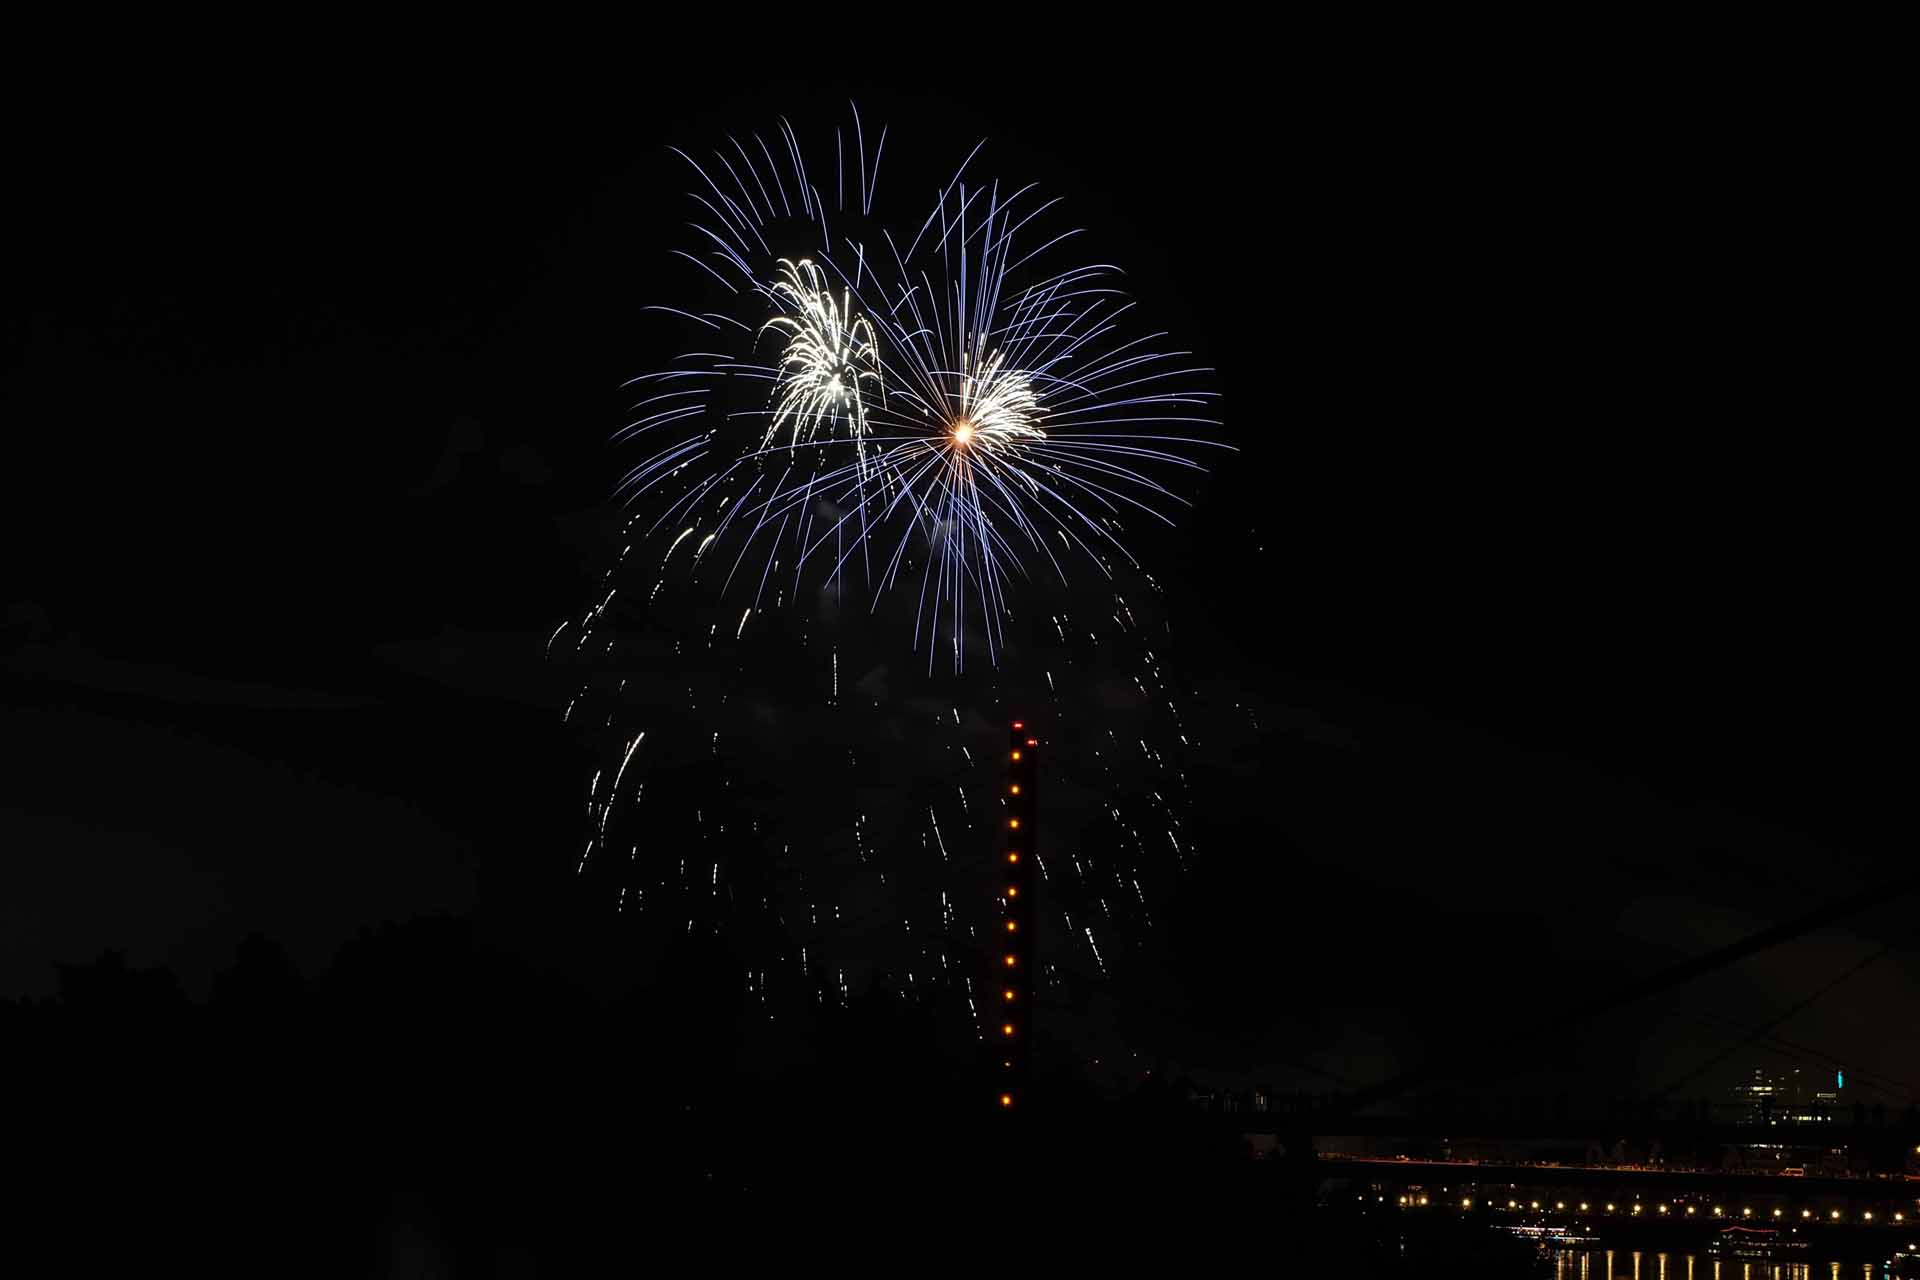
(1548, 612)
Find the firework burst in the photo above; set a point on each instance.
(943, 417)
(955, 432)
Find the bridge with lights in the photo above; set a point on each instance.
(1698, 1125)
(1686, 1188)
(1891, 1137)
(1679, 1154)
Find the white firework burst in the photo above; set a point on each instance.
(830, 364)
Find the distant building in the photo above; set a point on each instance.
(1787, 1098)
(1761, 1099)
(1826, 1102)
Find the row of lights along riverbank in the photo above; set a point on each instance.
(1803, 1214)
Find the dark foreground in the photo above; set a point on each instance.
(552, 1186)
(426, 1108)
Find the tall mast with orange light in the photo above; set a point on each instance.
(1013, 1005)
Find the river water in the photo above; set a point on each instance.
(1643, 1264)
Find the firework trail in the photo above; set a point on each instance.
(891, 439)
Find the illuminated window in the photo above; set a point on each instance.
(1007, 994)
(1013, 857)
(1013, 891)
(1016, 788)
(1006, 1028)
(1010, 926)
(1009, 962)
(1006, 1099)
(1014, 823)
(1016, 755)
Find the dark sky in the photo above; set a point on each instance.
(1558, 574)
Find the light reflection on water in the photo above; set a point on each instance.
(1645, 1264)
